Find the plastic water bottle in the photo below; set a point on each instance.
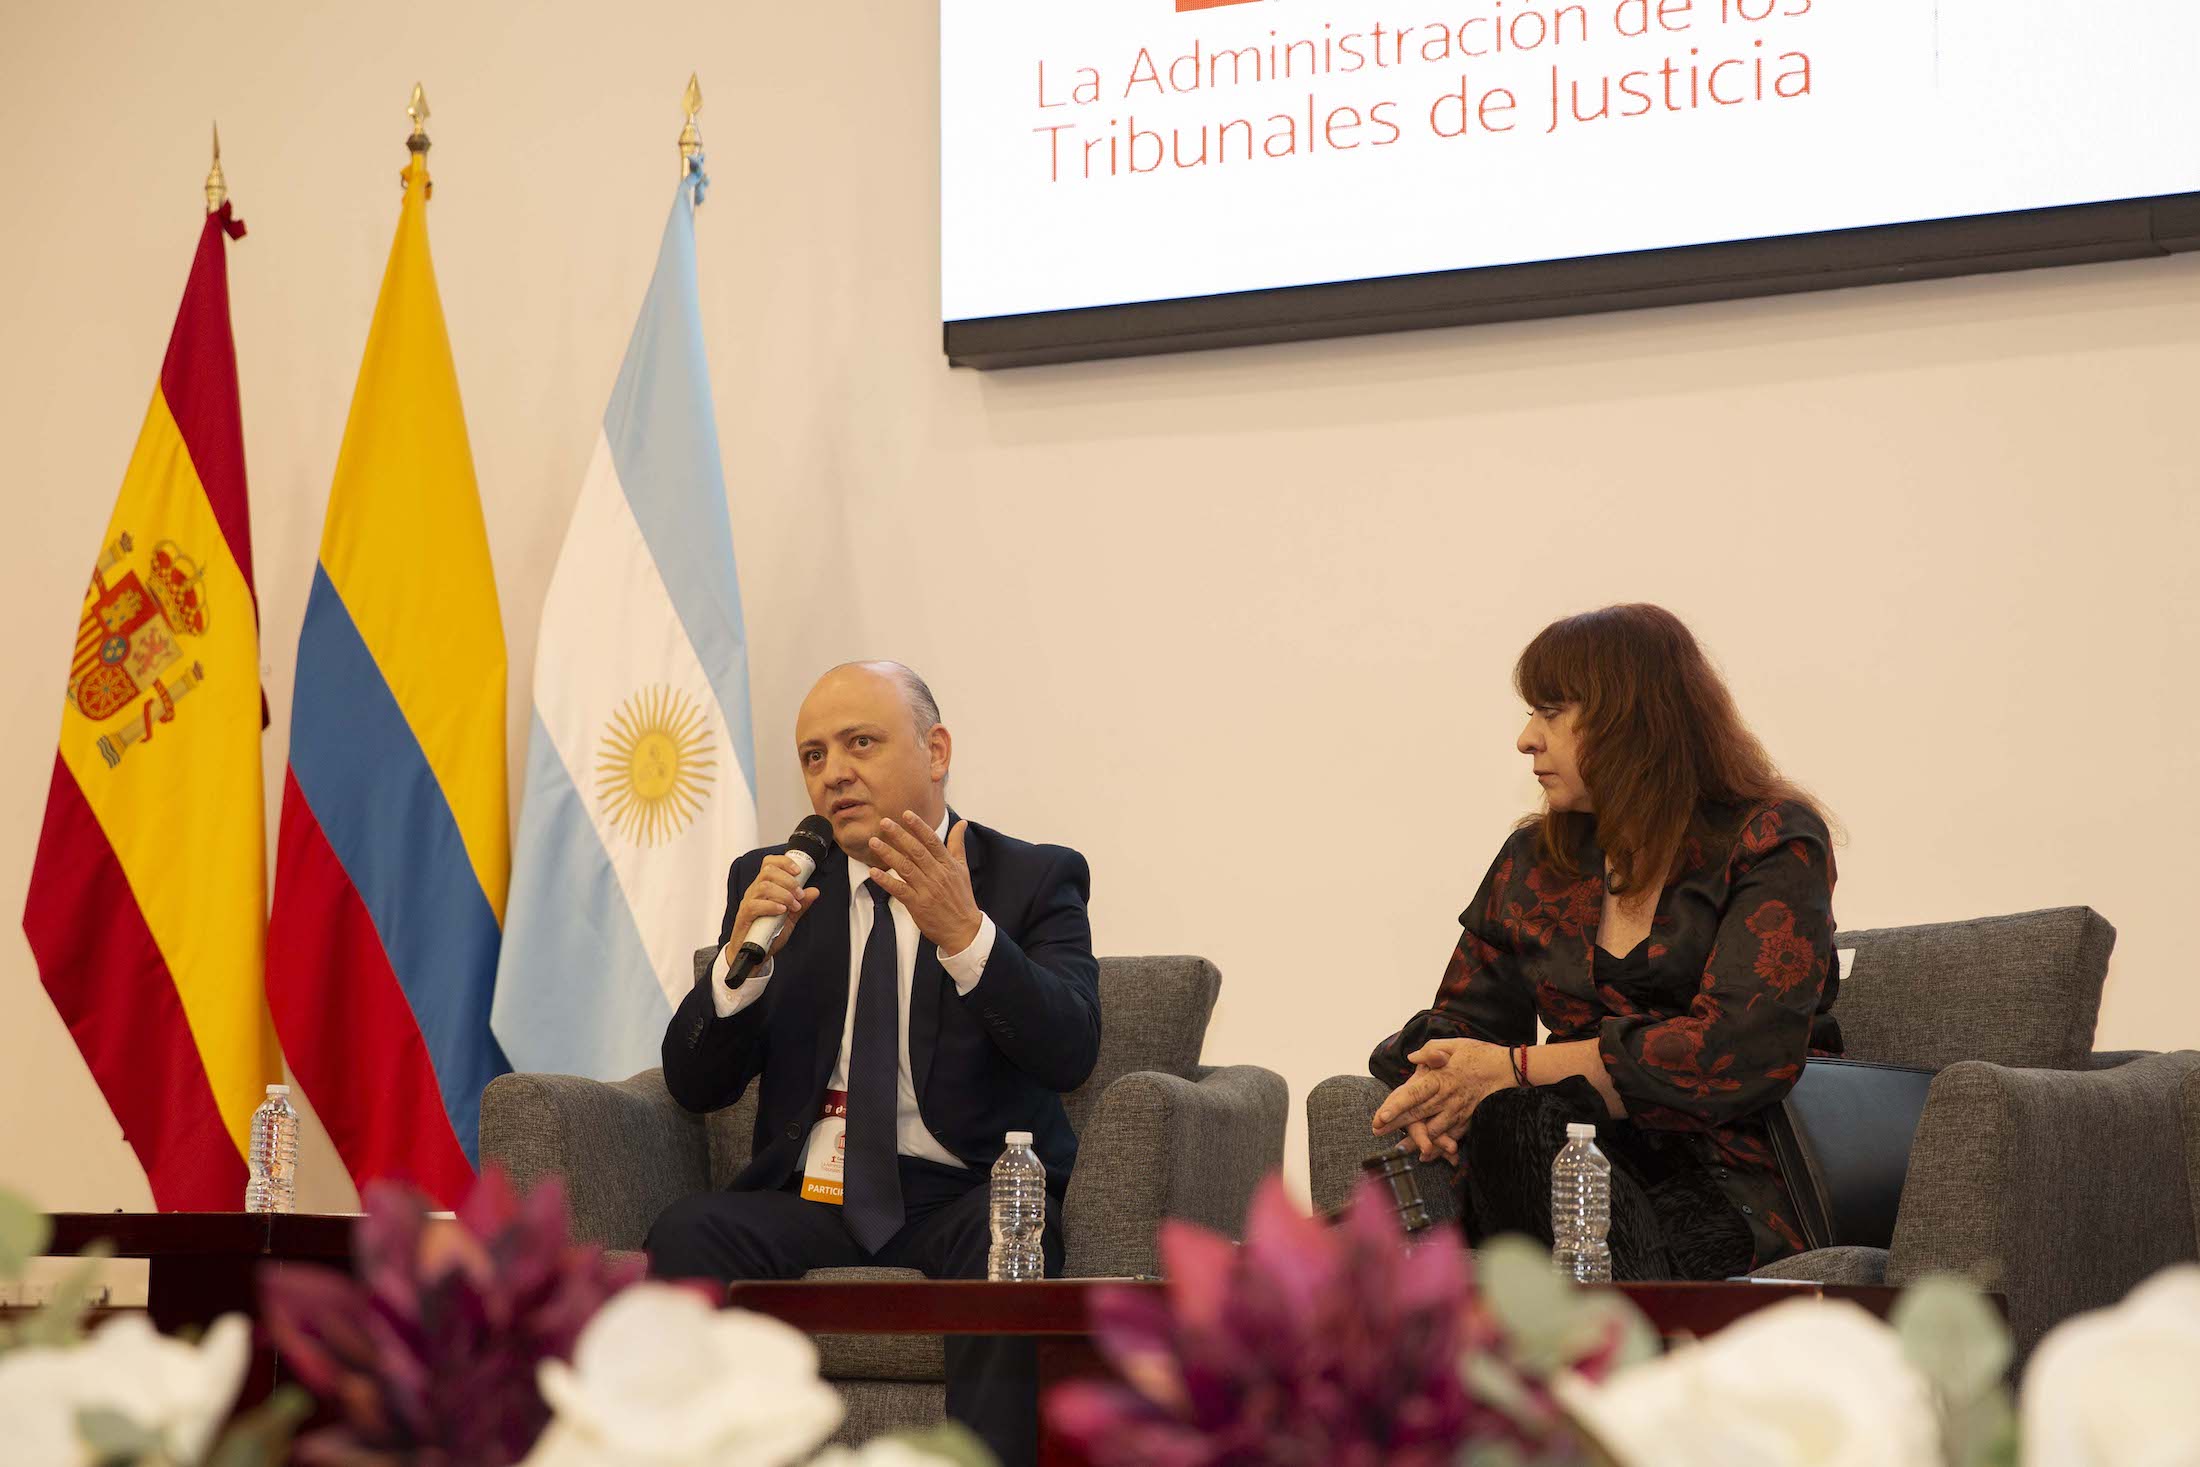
(1019, 1214)
(274, 1161)
(1581, 1208)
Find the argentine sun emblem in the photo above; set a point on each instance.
(655, 765)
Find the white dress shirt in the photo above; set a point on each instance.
(964, 969)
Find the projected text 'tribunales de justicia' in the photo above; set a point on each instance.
(1507, 70)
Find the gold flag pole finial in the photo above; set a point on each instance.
(691, 141)
(417, 110)
(217, 187)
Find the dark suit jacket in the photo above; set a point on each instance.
(995, 1061)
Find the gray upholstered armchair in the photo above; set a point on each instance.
(2192, 1144)
(2049, 1173)
(1160, 1135)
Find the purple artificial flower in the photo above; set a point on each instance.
(1328, 1346)
(428, 1358)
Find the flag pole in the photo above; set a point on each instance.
(217, 187)
(691, 139)
(417, 144)
(417, 110)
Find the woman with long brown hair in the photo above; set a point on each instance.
(1668, 917)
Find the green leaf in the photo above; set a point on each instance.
(1498, 1386)
(1985, 1435)
(1960, 1344)
(114, 1437)
(262, 1436)
(1953, 1336)
(1551, 1321)
(1638, 1338)
(1546, 1454)
(24, 1233)
(950, 1442)
(1530, 1300)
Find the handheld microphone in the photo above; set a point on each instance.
(811, 842)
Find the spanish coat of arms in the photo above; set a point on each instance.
(131, 640)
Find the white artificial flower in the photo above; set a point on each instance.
(176, 1392)
(1811, 1381)
(2121, 1385)
(661, 1378)
(38, 1407)
(881, 1452)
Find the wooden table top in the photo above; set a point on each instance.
(835, 1306)
(1058, 1306)
(309, 1235)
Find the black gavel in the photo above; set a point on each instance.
(1393, 1166)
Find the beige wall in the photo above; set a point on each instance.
(1236, 625)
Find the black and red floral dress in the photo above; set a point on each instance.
(1703, 1028)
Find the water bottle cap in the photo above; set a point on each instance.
(278, 1089)
(1019, 1138)
(1580, 1131)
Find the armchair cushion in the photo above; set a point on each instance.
(877, 1357)
(1866, 1266)
(1842, 1136)
(1153, 1016)
(2020, 990)
(921, 1358)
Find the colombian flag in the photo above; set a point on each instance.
(147, 905)
(394, 853)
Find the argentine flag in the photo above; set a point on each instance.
(641, 773)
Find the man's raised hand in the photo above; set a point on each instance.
(930, 879)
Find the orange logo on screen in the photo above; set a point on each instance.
(1184, 5)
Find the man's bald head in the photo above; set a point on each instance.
(871, 747)
(924, 709)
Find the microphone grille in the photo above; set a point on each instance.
(815, 835)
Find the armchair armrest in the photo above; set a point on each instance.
(1159, 1146)
(626, 1149)
(2061, 1189)
(1339, 1114)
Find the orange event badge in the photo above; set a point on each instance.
(825, 1159)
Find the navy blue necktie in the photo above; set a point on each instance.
(872, 1206)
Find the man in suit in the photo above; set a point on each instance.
(932, 989)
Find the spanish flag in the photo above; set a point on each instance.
(394, 853)
(148, 898)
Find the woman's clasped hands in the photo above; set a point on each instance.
(1450, 1078)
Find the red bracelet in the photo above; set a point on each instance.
(1520, 1066)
